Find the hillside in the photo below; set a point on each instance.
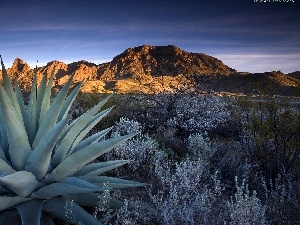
(154, 69)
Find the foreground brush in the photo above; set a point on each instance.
(46, 165)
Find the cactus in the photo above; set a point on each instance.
(46, 162)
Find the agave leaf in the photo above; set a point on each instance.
(97, 107)
(96, 119)
(76, 131)
(4, 139)
(111, 182)
(19, 147)
(68, 103)
(30, 212)
(21, 104)
(92, 111)
(46, 219)
(32, 110)
(78, 182)
(3, 156)
(9, 201)
(79, 159)
(40, 92)
(92, 139)
(93, 200)
(39, 160)
(12, 216)
(66, 130)
(44, 93)
(69, 211)
(9, 90)
(5, 167)
(60, 188)
(51, 116)
(22, 182)
(95, 169)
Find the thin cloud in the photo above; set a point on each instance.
(261, 62)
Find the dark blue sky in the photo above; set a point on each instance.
(244, 34)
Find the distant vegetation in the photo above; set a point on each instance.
(209, 159)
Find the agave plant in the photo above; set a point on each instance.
(47, 163)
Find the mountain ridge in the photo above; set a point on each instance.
(154, 69)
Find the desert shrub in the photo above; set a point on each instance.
(282, 200)
(200, 146)
(231, 160)
(172, 120)
(126, 126)
(179, 192)
(271, 136)
(185, 189)
(183, 196)
(201, 112)
(138, 150)
(245, 208)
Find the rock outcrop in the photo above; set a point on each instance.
(151, 69)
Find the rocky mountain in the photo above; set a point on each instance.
(152, 69)
(161, 61)
(267, 83)
(295, 74)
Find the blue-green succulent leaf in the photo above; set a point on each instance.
(51, 116)
(92, 111)
(30, 212)
(39, 160)
(95, 169)
(32, 136)
(97, 107)
(76, 131)
(9, 90)
(19, 147)
(96, 119)
(60, 188)
(4, 139)
(32, 110)
(5, 167)
(78, 182)
(3, 156)
(40, 92)
(22, 183)
(21, 104)
(9, 201)
(69, 211)
(44, 93)
(79, 159)
(68, 103)
(12, 216)
(92, 139)
(111, 182)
